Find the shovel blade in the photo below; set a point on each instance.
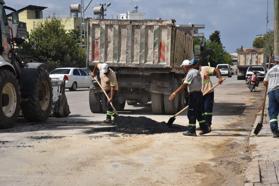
(258, 128)
(171, 120)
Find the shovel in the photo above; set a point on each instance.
(172, 119)
(114, 110)
(260, 124)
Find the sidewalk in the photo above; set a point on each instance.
(264, 166)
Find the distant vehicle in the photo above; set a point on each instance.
(74, 77)
(225, 69)
(257, 68)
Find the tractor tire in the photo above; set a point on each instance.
(36, 94)
(9, 99)
(157, 103)
(95, 102)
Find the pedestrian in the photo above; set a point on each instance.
(193, 84)
(110, 84)
(208, 99)
(271, 82)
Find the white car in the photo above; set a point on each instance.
(259, 69)
(225, 69)
(74, 77)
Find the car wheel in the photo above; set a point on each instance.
(74, 86)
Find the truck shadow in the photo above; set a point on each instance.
(138, 125)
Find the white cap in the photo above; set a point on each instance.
(186, 62)
(104, 68)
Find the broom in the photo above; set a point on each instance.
(260, 124)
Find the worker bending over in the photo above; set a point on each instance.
(110, 85)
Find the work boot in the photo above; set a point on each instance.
(205, 129)
(108, 119)
(191, 131)
(188, 133)
(275, 134)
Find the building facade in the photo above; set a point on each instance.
(32, 15)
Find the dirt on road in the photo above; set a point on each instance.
(136, 151)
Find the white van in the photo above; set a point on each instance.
(225, 69)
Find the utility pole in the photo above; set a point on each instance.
(276, 28)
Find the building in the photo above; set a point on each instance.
(32, 15)
(251, 56)
(132, 15)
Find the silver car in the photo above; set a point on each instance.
(74, 77)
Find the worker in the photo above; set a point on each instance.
(208, 98)
(271, 82)
(110, 84)
(193, 84)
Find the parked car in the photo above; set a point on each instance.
(257, 68)
(74, 77)
(225, 69)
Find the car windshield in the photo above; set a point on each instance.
(222, 66)
(60, 71)
(256, 69)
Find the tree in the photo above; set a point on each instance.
(215, 50)
(51, 44)
(258, 42)
(215, 37)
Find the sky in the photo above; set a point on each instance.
(239, 21)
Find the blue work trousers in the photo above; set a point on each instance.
(273, 110)
(208, 102)
(195, 112)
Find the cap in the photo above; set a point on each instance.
(194, 61)
(186, 62)
(104, 68)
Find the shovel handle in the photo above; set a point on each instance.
(182, 110)
(105, 95)
(212, 88)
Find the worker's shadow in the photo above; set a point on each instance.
(137, 125)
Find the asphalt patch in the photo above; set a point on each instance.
(138, 125)
(46, 137)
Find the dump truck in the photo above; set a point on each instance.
(248, 57)
(23, 86)
(146, 56)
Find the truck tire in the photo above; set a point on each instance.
(9, 99)
(157, 103)
(119, 103)
(36, 94)
(171, 107)
(132, 102)
(95, 102)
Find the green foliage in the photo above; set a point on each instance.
(50, 43)
(268, 43)
(215, 37)
(258, 42)
(215, 52)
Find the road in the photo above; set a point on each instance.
(140, 150)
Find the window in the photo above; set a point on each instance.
(76, 73)
(82, 72)
(60, 71)
(37, 14)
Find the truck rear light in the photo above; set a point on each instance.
(66, 78)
